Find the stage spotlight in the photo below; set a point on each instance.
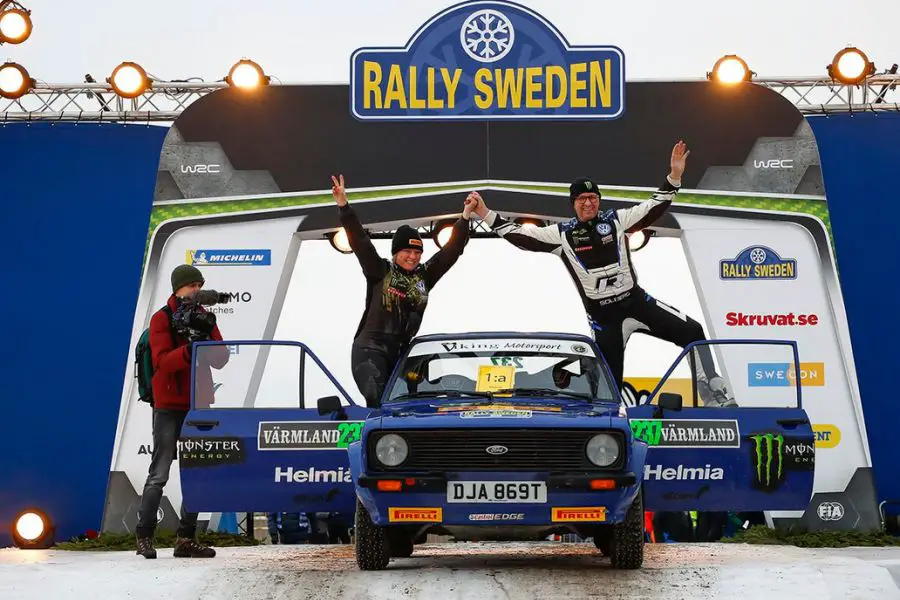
(639, 239)
(15, 23)
(15, 81)
(246, 75)
(340, 241)
(528, 223)
(850, 66)
(129, 80)
(730, 69)
(32, 529)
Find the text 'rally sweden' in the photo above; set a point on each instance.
(486, 61)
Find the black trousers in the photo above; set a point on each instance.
(613, 324)
(372, 361)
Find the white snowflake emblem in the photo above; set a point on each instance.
(603, 228)
(487, 35)
(758, 256)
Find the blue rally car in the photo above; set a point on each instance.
(497, 436)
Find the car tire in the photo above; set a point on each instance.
(400, 543)
(372, 552)
(627, 547)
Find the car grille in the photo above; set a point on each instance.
(466, 450)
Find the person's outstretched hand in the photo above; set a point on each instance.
(679, 159)
(337, 190)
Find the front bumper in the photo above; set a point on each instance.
(422, 499)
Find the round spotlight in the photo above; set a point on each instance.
(730, 69)
(851, 66)
(528, 223)
(340, 241)
(246, 75)
(32, 529)
(639, 239)
(129, 80)
(14, 81)
(443, 236)
(15, 26)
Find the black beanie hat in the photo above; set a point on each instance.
(406, 238)
(582, 185)
(185, 274)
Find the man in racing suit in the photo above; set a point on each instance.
(594, 248)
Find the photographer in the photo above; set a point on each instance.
(171, 343)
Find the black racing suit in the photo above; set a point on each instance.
(395, 303)
(597, 257)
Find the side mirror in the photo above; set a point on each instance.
(669, 401)
(329, 404)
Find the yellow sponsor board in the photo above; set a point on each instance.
(578, 513)
(811, 374)
(826, 436)
(415, 515)
(644, 386)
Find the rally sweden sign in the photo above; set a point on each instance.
(487, 60)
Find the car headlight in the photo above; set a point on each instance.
(603, 450)
(391, 450)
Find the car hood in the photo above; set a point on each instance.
(514, 412)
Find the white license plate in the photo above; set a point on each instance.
(473, 492)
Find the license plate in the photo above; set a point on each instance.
(473, 492)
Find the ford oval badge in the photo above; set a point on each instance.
(496, 450)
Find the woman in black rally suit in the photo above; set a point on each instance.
(396, 292)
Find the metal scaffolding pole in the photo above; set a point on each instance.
(97, 102)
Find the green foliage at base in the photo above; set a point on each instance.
(163, 539)
(761, 534)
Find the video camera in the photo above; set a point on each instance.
(193, 323)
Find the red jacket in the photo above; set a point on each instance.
(172, 365)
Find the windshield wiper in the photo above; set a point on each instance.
(543, 392)
(438, 393)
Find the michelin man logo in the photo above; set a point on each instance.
(487, 35)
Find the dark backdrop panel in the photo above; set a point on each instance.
(860, 155)
(76, 208)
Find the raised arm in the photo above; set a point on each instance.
(647, 212)
(446, 257)
(535, 239)
(373, 266)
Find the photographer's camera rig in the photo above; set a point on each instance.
(193, 323)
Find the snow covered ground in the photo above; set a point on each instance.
(458, 571)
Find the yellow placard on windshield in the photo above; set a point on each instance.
(492, 378)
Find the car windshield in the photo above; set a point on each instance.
(500, 368)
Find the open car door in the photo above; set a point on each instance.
(254, 440)
(708, 455)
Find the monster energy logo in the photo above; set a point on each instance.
(769, 449)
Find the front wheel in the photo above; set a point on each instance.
(627, 547)
(372, 551)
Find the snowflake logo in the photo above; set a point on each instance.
(487, 35)
(757, 256)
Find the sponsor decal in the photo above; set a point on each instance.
(415, 515)
(234, 349)
(603, 228)
(496, 450)
(497, 407)
(773, 455)
(229, 258)
(683, 473)
(755, 263)
(687, 433)
(466, 346)
(579, 348)
(497, 60)
(497, 517)
(578, 513)
(234, 298)
(495, 414)
(774, 163)
(784, 374)
(826, 436)
(686, 495)
(201, 169)
(830, 511)
(312, 475)
(739, 319)
(207, 452)
(307, 435)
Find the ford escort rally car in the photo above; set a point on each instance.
(498, 436)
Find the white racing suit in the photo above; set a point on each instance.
(596, 255)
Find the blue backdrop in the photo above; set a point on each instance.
(76, 203)
(860, 155)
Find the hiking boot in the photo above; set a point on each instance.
(145, 547)
(185, 548)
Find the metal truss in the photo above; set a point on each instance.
(167, 99)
